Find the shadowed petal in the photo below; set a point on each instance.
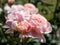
(5, 26)
(9, 31)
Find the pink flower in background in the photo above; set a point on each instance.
(11, 1)
(26, 20)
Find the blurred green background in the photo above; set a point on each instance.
(48, 8)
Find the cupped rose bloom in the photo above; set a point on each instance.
(26, 23)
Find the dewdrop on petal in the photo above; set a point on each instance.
(27, 22)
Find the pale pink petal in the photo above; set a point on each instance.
(31, 8)
(48, 28)
(5, 26)
(37, 34)
(9, 31)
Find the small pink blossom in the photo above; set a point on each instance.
(26, 20)
(11, 1)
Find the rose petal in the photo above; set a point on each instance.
(9, 31)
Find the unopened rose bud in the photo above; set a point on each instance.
(11, 1)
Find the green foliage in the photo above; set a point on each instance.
(48, 8)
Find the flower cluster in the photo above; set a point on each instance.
(26, 20)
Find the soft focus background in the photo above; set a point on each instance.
(48, 8)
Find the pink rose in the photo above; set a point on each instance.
(26, 20)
